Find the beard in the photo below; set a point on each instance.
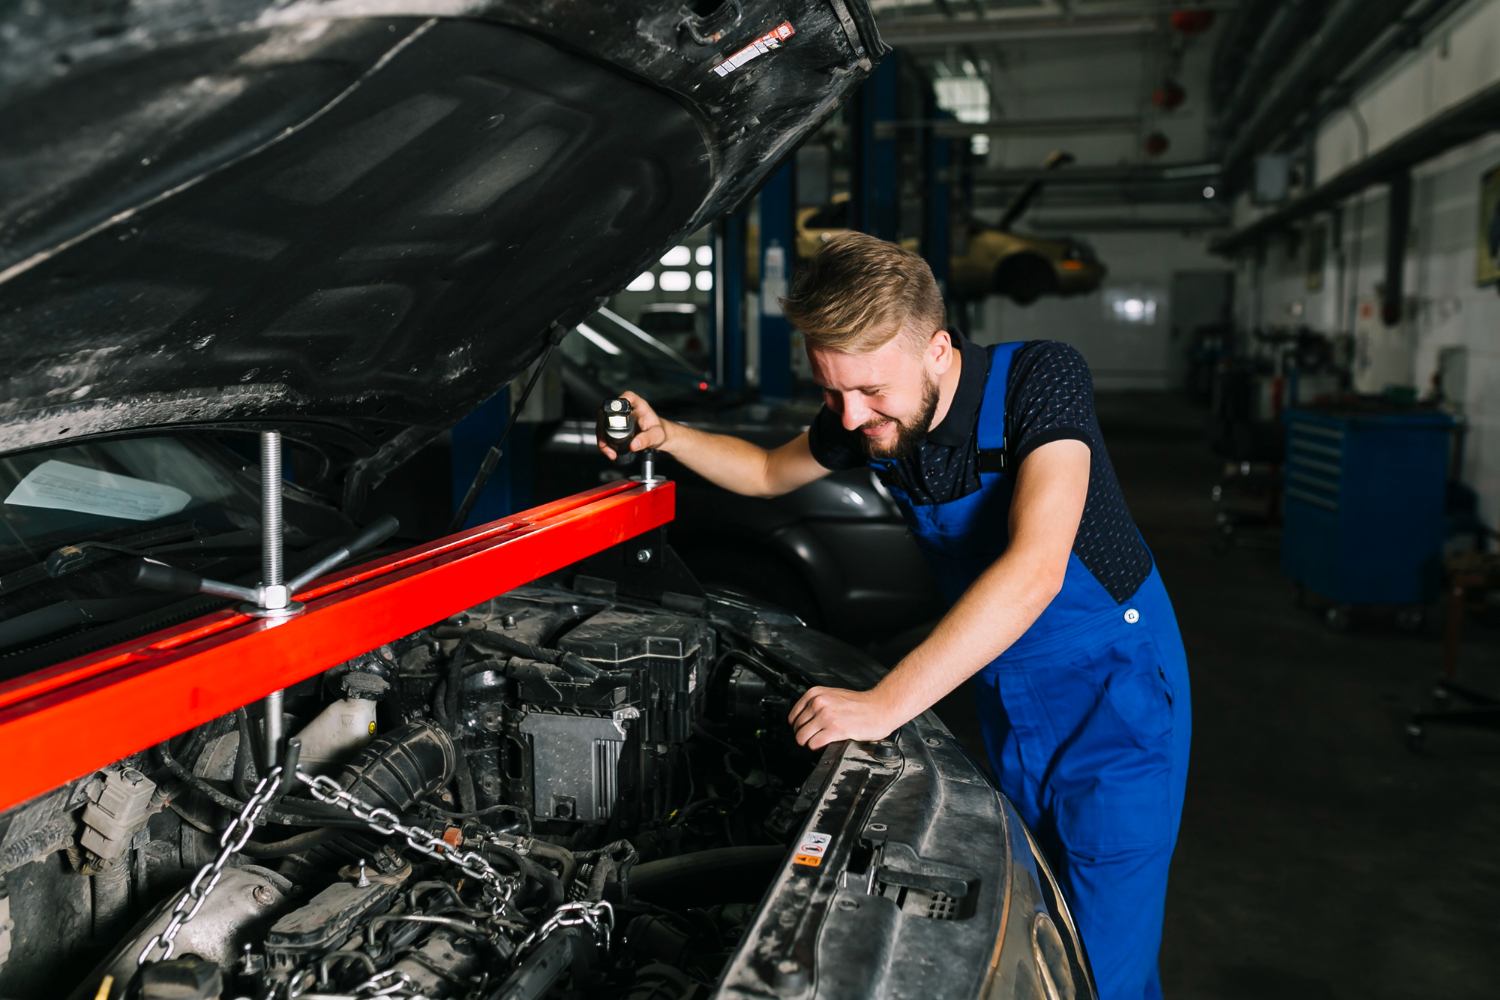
(909, 433)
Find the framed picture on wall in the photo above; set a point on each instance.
(1487, 253)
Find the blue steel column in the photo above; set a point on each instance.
(729, 300)
(876, 174)
(778, 249)
(937, 200)
(469, 442)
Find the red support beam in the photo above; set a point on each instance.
(64, 721)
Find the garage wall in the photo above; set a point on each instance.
(1122, 355)
(1451, 324)
(1451, 64)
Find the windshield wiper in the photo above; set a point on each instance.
(151, 576)
(75, 556)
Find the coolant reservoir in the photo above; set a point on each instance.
(333, 736)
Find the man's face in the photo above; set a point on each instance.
(889, 395)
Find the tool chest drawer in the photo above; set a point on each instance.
(1364, 503)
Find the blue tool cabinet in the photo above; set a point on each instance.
(1364, 504)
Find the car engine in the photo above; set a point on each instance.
(557, 793)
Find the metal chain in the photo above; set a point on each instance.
(598, 917)
(387, 823)
(231, 842)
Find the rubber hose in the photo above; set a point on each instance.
(564, 858)
(401, 767)
(291, 845)
(243, 756)
(661, 982)
(547, 963)
(110, 887)
(531, 870)
(572, 662)
(451, 698)
(704, 873)
(287, 813)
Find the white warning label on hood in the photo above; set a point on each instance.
(64, 486)
(765, 43)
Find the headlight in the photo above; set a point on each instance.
(1053, 965)
(1038, 955)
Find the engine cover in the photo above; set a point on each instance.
(586, 749)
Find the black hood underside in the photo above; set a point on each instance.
(303, 213)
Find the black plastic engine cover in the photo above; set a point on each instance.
(667, 659)
(600, 749)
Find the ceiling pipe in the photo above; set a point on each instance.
(969, 31)
(948, 128)
(1349, 29)
(1403, 36)
(1206, 173)
(1235, 45)
(1279, 40)
(1108, 224)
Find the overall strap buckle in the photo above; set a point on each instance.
(992, 459)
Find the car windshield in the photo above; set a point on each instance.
(619, 355)
(72, 516)
(100, 489)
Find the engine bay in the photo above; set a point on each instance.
(556, 793)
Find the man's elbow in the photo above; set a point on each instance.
(1047, 583)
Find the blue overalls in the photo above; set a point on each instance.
(1085, 719)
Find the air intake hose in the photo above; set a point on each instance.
(395, 771)
(398, 769)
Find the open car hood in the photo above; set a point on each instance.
(363, 214)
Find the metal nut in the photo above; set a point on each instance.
(263, 894)
(643, 556)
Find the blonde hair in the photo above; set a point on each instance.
(859, 292)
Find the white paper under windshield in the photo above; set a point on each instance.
(64, 486)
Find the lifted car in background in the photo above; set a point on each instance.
(1023, 267)
(532, 758)
(996, 260)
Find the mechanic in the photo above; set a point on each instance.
(1058, 614)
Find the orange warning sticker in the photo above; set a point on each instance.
(811, 849)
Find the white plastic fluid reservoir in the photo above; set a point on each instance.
(333, 736)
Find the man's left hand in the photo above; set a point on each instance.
(826, 715)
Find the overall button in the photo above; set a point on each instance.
(1132, 616)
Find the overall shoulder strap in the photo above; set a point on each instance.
(992, 451)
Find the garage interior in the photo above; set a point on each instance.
(1271, 228)
(1296, 207)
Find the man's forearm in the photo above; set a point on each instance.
(728, 462)
(995, 612)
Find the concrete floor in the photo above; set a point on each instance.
(1319, 857)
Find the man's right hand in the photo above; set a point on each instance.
(726, 461)
(651, 430)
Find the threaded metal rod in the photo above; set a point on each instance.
(273, 731)
(270, 509)
(271, 571)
